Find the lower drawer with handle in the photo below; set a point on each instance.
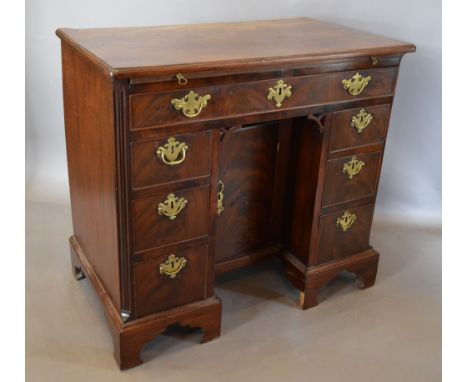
(351, 178)
(170, 279)
(174, 158)
(170, 217)
(359, 127)
(344, 233)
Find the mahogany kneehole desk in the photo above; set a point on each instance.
(189, 157)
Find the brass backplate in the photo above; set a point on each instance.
(172, 206)
(172, 266)
(356, 84)
(279, 92)
(191, 104)
(353, 167)
(361, 120)
(173, 152)
(346, 221)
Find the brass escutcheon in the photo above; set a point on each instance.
(346, 221)
(173, 152)
(356, 84)
(220, 198)
(279, 92)
(172, 266)
(353, 167)
(191, 104)
(361, 120)
(172, 206)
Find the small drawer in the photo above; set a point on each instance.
(359, 127)
(178, 157)
(170, 217)
(170, 279)
(351, 178)
(149, 110)
(344, 233)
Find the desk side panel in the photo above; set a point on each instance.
(90, 136)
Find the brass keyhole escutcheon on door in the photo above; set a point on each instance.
(172, 266)
(346, 221)
(356, 84)
(172, 206)
(220, 198)
(361, 120)
(191, 104)
(353, 167)
(279, 92)
(173, 152)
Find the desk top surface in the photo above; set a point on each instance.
(150, 51)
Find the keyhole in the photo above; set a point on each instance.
(280, 91)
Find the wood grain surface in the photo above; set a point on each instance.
(147, 51)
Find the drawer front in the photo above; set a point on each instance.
(169, 218)
(351, 178)
(359, 127)
(170, 280)
(344, 233)
(174, 158)
(168, 108)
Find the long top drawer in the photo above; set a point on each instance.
(215, 102)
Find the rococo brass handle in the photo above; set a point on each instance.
(220, 198)
(356, 84)
(346, 221)
(172, 266)
(353, 167)
(172, 206)
(279, 92)
(361, 120)
(173, 152)
(191, 104)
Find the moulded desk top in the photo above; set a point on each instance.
(152, 51)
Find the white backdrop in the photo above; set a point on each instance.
(410, 185)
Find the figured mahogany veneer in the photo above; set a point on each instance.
(149, 170)
(152, 110)
(340, 189)
(246, 169)
(345, 136)
(150, 229)
(334, 243)
(156, 291)
(165, 198)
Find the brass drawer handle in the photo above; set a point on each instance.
(191, 104)
(353, 167)
(172, 266)
(361, 120)
(346, 221)
(220, 198)
(279, 92)
(172, 206)
(356, 84)
(173, 152)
